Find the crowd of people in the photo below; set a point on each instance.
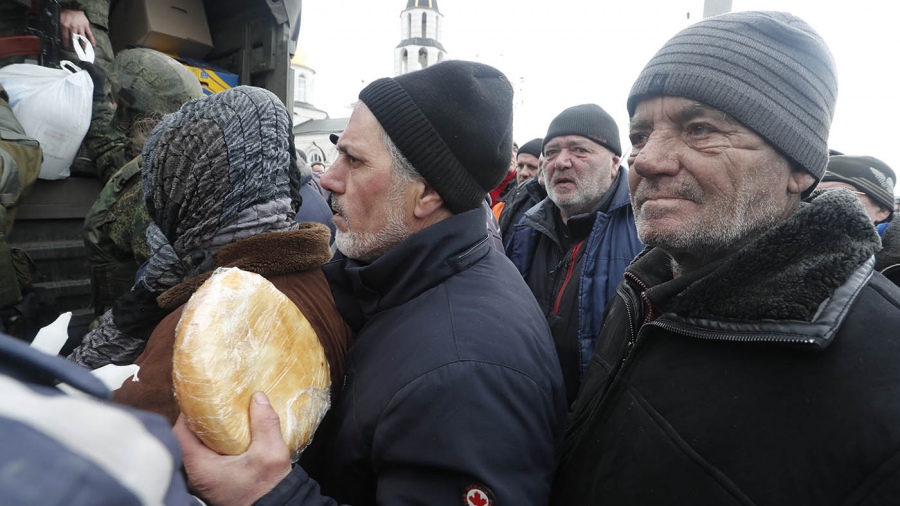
(708, 317)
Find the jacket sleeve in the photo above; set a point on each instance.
(106, 145)
(20, 157)
(79, 451)
(296, 489)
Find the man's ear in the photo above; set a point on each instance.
(799, 180)
(616, 160)
(427, 201)
(881, 215)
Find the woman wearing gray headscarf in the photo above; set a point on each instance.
(222, 187)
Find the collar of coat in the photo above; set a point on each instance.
(422, 261)
(805, 270)
(545, 216)
(269, 254)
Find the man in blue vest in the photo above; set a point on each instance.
(573, 247)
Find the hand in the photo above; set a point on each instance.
(237, 479)
(98, 76)
(72, 21)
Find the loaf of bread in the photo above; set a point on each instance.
(239, 335)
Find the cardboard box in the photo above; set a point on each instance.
(170, 26)
(212, 78)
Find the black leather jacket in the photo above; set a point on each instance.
(769, 377)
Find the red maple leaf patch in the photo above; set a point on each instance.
(478, 495)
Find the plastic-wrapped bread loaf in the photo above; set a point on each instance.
(239, 335)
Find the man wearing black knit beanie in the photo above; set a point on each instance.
(750, 354)
(529, 189)
(573, 247)
(444, 401)
(866, 176)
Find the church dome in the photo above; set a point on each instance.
(422, 4)
(300, 59)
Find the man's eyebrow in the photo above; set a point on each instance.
(343, 147)
(641, 124)
(698, 110)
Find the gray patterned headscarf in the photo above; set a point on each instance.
(219, 170)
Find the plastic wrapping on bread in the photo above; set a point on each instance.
(238, 335)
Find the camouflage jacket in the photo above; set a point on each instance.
(106, 145)
(20, 160)
(97, 11)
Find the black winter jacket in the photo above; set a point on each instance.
(768, 378)
(527, 195)
(452, 390)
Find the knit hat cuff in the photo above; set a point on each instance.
(532, 147)
(581, 132)
(415, 137)
(765, 118)
(875, 192)
(589, 121)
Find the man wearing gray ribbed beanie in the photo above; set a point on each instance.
(751, 354)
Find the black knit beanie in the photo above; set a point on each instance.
(866, 173)
(453, 122)
(768, 70)
(532, 147)
(586, 120)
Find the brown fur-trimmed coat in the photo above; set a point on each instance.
(291, 261)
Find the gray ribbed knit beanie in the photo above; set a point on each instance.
(587, 120)
(768, 70)
(453, 122)
(866, 173)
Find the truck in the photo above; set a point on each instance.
(253, 39)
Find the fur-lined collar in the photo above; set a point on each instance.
(787, 274)
(268, 254)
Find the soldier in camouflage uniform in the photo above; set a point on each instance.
(86, 17)
(146, 85)
(20, 162)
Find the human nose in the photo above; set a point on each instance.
(332, 179)
(563, 159)
(657, 156)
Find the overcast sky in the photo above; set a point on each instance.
(558, 54)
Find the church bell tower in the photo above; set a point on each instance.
(420, 34)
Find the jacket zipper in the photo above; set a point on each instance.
(717, 336)
(652, 318)
(569, 270)
(632, 318)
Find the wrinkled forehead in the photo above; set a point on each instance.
(677, 109)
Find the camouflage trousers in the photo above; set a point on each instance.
(114, 234)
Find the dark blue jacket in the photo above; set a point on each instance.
(452, 385)
(609, 248)
(66, 450)
(314, 206)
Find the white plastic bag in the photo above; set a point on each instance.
(54, 107)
